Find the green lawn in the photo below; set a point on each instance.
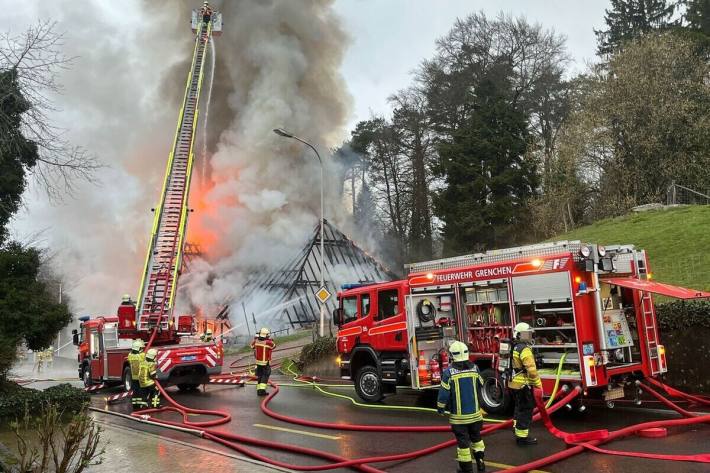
(278, 340)
(677, 241)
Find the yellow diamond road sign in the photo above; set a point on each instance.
(323, 295)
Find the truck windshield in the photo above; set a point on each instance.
(349, 309)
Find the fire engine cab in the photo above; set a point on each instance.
(591, 308)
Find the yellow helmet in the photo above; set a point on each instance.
(138, 345)
(208, 331)
(151, 354)
(459, 351)
(264, 332)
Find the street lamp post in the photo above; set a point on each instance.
(285, 134)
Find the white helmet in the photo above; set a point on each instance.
(459, 351)
(264, 332)
(138, 345)
(126, 298)
(522, 330)
(151, 354)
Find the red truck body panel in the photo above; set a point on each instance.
(595, 311)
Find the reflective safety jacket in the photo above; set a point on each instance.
(460, 392)
(147, 373)
(262, 350)
(524, 368)
(135, 359)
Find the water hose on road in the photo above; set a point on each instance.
(229, 439)
(579, 447)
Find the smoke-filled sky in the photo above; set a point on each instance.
(314, 67)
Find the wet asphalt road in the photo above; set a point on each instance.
(501, 451)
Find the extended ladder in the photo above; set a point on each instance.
(162, 265)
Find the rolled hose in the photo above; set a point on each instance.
(616, 434)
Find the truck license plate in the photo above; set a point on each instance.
(189, 358)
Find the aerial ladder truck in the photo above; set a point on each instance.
(104, 341)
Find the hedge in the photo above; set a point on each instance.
(683, 314)
(317, 350)
(15, 399)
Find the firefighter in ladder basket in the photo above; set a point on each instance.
(459, 393)
(262, 345)
(524, 380)
(135, 358)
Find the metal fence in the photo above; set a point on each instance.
(682, 195)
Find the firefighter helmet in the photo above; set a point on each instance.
(151, 354)
(459, 351)
(522, 330)
(138, 344)
(264, 332)
(126, 298)
(208, 332)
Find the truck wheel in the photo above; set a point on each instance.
(188, 386)
(368, 384)
(127, 378)
(86, 376)
(495, 398)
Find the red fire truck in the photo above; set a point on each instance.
(104, 341)
(591, 308)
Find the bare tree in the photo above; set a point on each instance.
(61, 447)
(35, 57)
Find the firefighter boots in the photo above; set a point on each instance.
(524, 441)
(480, 464)
(465, 467)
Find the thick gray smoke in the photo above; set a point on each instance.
(277, 65)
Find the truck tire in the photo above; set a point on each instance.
(127, 378)
(188, 386)
(495, 399)
(86, 376)
(368, 384)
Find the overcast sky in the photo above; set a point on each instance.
(391, 37)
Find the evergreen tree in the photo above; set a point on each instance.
(487, 178)
(17, 154)
(697, 15)
(629, 19)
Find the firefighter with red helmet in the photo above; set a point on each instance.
(263, 346)
(525, 379)
(459, 392)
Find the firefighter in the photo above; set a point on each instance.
(146, 378)
(459, 392)
(262, 345)
(207, 336)
(524, 380)
(135, 358)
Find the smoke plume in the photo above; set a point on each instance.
(255, 199)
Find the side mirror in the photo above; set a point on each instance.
(75, 337)
(338, 316)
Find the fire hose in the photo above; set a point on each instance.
(580, 441)
(229, 439)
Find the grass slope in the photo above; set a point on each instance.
(676, 240)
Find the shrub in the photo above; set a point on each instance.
(683, 314)
(15, 399)
(317, 350)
